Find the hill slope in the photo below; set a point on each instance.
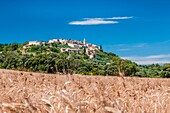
(62, 58)
(49, 58)
(37, 92)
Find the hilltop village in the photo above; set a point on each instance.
(73, 46)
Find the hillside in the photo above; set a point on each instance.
(37, 92)
(62, 56)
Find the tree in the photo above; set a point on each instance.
(84, 51)
(166, 70)
(101, 48)
(125, 67)
(25, 43)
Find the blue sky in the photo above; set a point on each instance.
(136, 30)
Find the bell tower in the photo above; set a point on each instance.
(84, 42)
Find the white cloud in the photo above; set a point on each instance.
(98, 21)
(152, 59)
(159, 56)
(120, 18)
(92, 22)
(134, 58)
(164, 42)
(140, 45)
(124, 49)
(113, 18)
(152, 62)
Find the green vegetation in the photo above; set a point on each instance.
(48, 58)
(154, 70)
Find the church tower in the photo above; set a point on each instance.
(84, 42)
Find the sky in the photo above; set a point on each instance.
(138, 30)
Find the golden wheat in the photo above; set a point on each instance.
(25, 92)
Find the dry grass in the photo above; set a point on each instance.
(23, 92)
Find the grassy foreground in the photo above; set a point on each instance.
(29, 92)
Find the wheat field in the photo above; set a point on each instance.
(27, 92)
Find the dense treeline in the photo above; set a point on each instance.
(154, 70)
(48, 58)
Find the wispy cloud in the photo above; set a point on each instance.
(94, 21)
(148, 62)
(158, 56)
(98, 21)
(165, 42)
(141, 45)
(124, 49)
(120, 18)
(143, 53)
(152, 59)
